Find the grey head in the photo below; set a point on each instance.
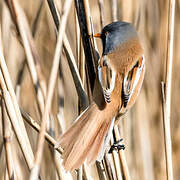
(116, 33)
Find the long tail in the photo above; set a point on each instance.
(84, 140)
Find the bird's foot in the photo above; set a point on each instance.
(117, 146)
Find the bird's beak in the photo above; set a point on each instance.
(98, 35)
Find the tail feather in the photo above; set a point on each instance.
(98, 143)
(85, 138)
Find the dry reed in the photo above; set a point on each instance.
(56, 85)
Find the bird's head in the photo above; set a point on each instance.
(114, 34)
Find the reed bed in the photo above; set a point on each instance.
(48, 62)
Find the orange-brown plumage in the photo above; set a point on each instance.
(125, 56)
(120, 75)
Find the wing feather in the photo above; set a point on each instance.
(131, 80)
(107, 77)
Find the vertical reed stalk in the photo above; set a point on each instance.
(122, 156)
(7, 135)
(166, 90)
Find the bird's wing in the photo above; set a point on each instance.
(107, 78)
(132, 79)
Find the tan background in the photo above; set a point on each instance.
(143, 126)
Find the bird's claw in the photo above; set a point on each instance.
(117, 146)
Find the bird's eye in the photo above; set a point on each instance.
(106, 33)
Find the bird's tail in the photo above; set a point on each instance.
(84, 140)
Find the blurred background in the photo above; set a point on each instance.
(142, 126)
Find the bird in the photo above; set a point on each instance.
(120, 74)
